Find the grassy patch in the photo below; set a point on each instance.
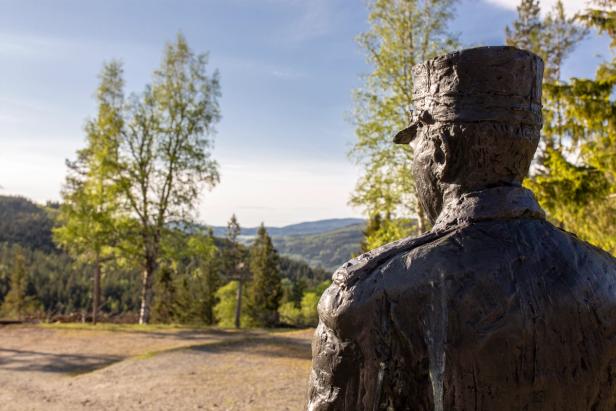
(154, 327)
(122, 327)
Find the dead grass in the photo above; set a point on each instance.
(116, 366)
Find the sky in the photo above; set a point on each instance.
(287, 67)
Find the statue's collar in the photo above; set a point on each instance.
(498, 203)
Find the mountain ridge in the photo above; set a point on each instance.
(302, 228)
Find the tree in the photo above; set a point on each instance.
(265, 290)
(574, 174)
(87, 228)
(17, 303)
(165, 158)
(527, 28)
(402, 33)
(225, 309)
(553, 38)
(576, 182)
(163, 310)
(206, 274)
(234, 265)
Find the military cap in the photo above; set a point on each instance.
(495, 84)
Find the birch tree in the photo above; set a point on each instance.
(165, 153)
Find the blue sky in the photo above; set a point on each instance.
(287, 69)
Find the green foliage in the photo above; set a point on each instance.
(388, 230)
(552, 38)
(17, 303)
(86, 220)
(526, 31)
(575, 171)
(265, 290)
(87, 227)
(224, 311)
(164, 154)
(304, 314)
(402, 33)
(310, 316)
(290, 314)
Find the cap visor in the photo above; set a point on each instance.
(407, 135)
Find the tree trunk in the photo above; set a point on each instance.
(422, 223)
(238, 305)
(146, 290)
(96, 300)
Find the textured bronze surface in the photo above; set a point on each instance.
(494, 309)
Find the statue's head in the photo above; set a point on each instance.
(477, 117)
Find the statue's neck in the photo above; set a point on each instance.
(502, 202)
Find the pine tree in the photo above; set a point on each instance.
(164, 307)
(234, 265)
(265, 289)
(17, 303)
(574, 175)
(576, 182)
(402, 33)
(527, 28)
(553, 38)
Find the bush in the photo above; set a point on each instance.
(290, 314)
(224, 311)
(310, 300)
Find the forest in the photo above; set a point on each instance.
(38, 280)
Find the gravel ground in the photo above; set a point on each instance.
(45, 368)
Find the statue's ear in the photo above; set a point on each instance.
(442, 156)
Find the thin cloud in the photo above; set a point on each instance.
(571, 6)
(314, 19)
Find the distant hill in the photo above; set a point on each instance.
(26, 223)
(324, 243)
(309, 227)
(328, 249)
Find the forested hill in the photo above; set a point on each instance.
(305, 228)
(323, 243)
(25, 223)
(328, 249)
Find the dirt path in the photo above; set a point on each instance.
(183, 369)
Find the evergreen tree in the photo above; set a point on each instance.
(17, 303)
(402, 33)
(235, 266)
(527, 28)
(576, 182)
(265, 288)
(552, 38)
(206, 275)
(574, 174)
(163, 310)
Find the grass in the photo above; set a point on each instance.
(153, 327)
(123, 327)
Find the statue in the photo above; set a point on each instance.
(494, 309)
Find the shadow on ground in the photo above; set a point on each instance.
(270, 346)
(21, 360)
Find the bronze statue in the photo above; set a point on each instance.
(495, 309)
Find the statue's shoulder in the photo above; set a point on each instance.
(358, 268)
(347, 302)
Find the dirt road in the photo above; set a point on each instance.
(161, 369)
